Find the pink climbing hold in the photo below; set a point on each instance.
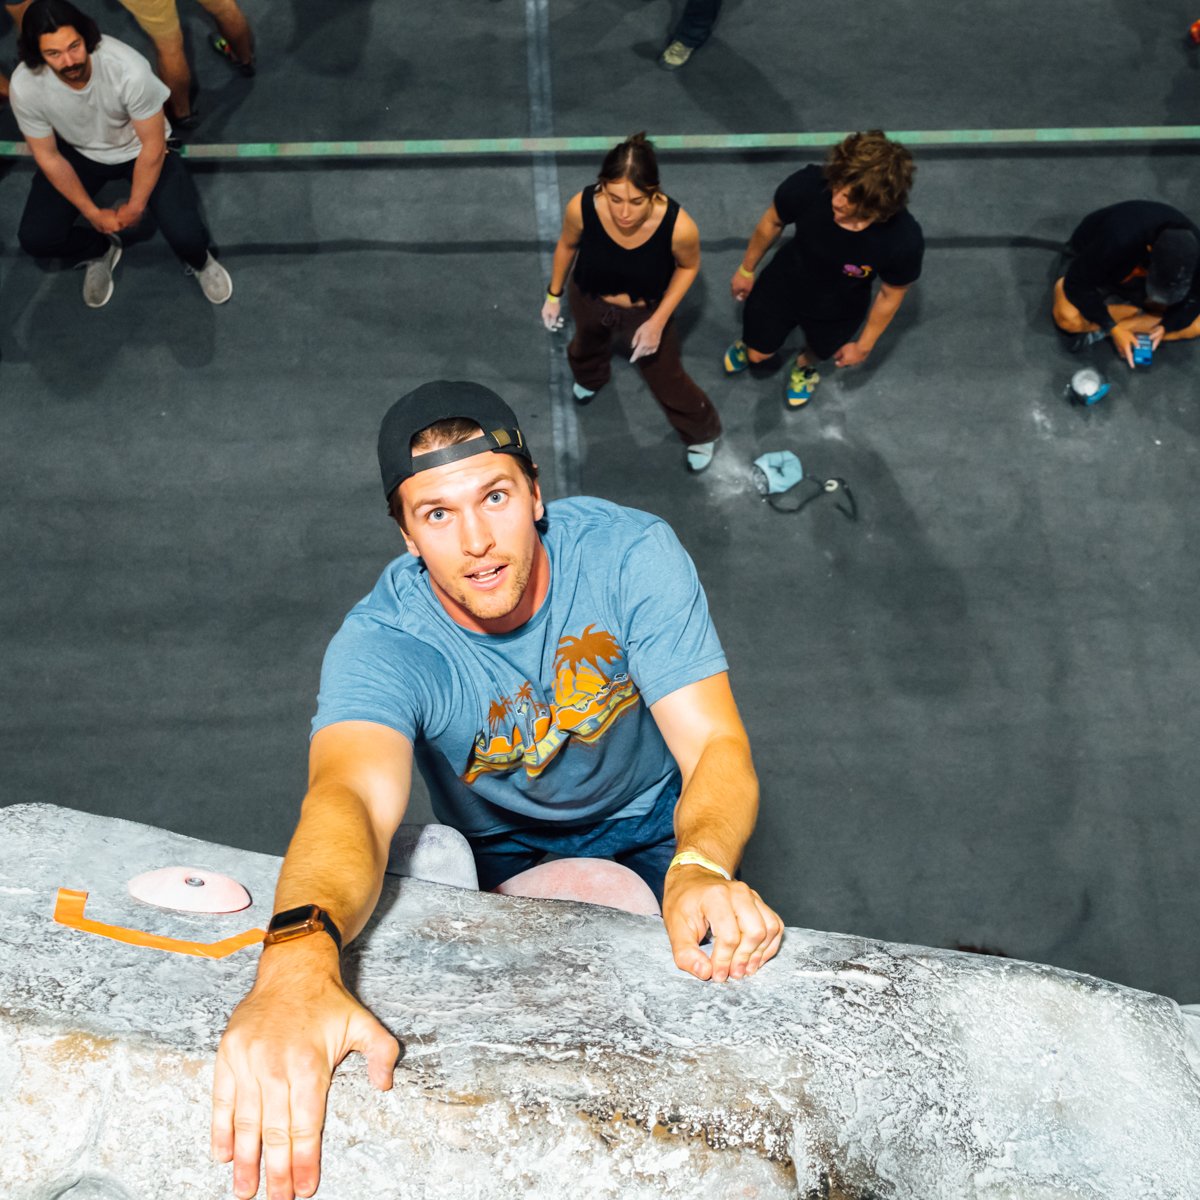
(190, 889)
(588, 880)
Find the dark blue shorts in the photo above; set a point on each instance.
(643, 844)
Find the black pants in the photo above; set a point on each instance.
(51, 226)
(696, 23)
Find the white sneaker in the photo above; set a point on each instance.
(98, 275)
(214, 281)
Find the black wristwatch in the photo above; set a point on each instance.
(300, 922)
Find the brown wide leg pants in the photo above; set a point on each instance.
(602, 328)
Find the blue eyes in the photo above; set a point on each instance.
(439, 516)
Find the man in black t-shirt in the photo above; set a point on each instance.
(1136, 271)
(852, 226)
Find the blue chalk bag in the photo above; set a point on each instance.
(777, 471)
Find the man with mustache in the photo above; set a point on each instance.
(553, 671)
(91, 111)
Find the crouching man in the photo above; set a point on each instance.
(91, 112)
(1135, 271)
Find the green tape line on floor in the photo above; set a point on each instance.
(518, 147)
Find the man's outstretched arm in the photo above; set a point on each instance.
(714, 819)
(299, 1021)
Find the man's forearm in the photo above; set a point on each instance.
(718, 807)
(883, 309)
(335, 859)
(761, 240)
(1139, 323)
(147, 168)
(66, 182)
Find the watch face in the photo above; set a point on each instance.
(300, 922)
(307, 915)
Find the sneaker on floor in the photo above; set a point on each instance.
(675, 55)
(214, 281)
(736, 358)
(581, 394)
(700, 456)
(1081, 341)
(802, 382)
(225, 50)
(98, 275)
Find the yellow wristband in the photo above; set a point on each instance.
(553, 297)
(689, 858)
(744, 273)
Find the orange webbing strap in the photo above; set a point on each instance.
(68, 911)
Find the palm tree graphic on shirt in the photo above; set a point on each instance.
(528, 708)
(593, 646)
(588, 697)
(498, 710)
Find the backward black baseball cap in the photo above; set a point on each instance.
(1173, 259)
(439, 401)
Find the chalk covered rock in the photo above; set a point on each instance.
(435, 853)
(553, 1050)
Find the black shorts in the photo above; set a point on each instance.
(773, 310)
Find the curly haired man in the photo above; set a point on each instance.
(852, 227)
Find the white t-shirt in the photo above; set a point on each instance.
(97, 119)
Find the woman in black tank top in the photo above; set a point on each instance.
(635, 253)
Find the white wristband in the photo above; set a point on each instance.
(689, 858)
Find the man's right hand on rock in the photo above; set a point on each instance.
(274, 1066)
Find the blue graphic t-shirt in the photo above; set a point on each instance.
(549, 723)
